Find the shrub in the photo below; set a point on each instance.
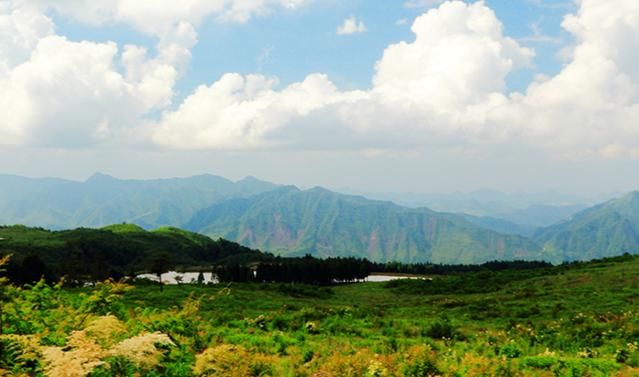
(421, 361)
(232, 361)
(441, 330)
(510, 350)
(539, 362)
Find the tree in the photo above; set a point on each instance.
(161, 264)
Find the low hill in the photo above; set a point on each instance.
(293, 222)
(608, 229)
(114, 250)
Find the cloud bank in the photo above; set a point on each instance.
(447, 87)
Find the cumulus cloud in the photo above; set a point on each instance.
(351, 26)
(425, 88)
(61, 93)
(592, 104)
(447, 87)
(70, 94)
(158, 17)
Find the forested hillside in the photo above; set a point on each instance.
(290, 221)
(609, 229)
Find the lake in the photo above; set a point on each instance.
(172, 277)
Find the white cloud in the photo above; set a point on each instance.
(61, 93)
(459, 58)
(351, 26)
(426, 88)
(238, 112)
(69, 94)
(158, 17)
(20, 31)
(593, 103)
(445, 88)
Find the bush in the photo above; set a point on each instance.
(510, 350)
(421, 361)
(539, 362)
(441, 330)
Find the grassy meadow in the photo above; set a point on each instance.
(572, 320)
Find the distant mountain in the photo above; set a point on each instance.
(290, 221)
(501, 225)
(101, 200)
(528, 210)
(608, 229)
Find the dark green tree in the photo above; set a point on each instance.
(160, 264)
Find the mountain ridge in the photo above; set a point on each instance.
(290, 221)
(318, 221)
(607, 229)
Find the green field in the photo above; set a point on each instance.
(578, 320)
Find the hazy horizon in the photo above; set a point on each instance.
(382, 195)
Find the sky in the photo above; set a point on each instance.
(367, 95)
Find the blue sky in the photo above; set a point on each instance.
(291, 44)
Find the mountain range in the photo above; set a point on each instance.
(102, 200)
(291, 221)
(288, 221)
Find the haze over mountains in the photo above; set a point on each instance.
(103, 200)
(288, 221)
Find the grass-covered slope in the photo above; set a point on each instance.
(609, 229)
(570, 320)
(290, 221)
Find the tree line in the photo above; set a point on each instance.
(307, 269)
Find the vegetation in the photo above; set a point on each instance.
(291, 222)
(96, 254)
(572, 320)
(90, 255)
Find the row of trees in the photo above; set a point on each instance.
(307, 270)
(267, 269)
(446, 269)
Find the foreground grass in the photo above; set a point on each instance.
(568, 321)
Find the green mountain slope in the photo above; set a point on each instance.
(608, 229)
(101, 200)
(289, 221)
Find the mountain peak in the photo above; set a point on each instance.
(100, 177)
(250, 178)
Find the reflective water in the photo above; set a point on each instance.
(173, 277)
